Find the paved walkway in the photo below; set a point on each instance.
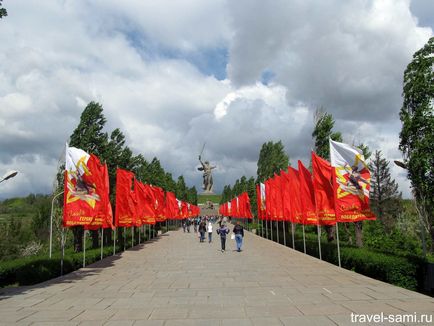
(176, 280)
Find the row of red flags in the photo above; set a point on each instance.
(324, 197)
(87, 203)
(239, 207)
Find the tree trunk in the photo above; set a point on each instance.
(359, 233)
(432, 239)
(77, 231)
(348, 232)
(108, 237)
(95, 238)
(331, 232)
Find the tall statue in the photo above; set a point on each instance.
(207, 176)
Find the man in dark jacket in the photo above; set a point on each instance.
(223, 231)
(202, 230)
(239, 235)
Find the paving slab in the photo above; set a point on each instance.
(176, 280)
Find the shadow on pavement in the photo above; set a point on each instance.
(77, 275)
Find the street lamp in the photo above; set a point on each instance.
(51, 221)
(9, 175)
(404, 166)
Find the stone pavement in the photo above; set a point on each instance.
(175, 280)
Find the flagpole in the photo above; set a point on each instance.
(277, 231)
(337, 239)
(140, 229)
(84, 248)
(114, 241)
(132, 236)
(102, 240)
(271, 228)
(167, 225)
(319, 240)
(62, 239)
(284, 232)
(304, 240)
(125, 237)
(266, 228)
(292, 233)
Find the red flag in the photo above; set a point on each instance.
(294, 189)
(286, 195)
(85, 194)
(171, 205)
(125, 199)
(351, 183)
(105, 216)
(234, 208)
(245, 203)
(307, 195)
(145, 203)
(323, 190)
(184, 209)
(159, 203)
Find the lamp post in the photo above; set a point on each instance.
(51, 220)
(9, 175)
(404, 166)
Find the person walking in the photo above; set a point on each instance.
(188, 222)
(239, 235)
(184, 224)
(195, 223)
(209, 228)
(223, 231)
(202, 230)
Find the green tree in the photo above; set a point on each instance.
(417, 134)
(181, 189)
(251, 190)
(272, 159)
(384, 195)
(323, 130)
(3, 12)
(89, 135)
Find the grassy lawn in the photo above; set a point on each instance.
(201, 199)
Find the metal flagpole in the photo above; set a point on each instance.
(292, 233)
(304, 240)
(337, 239)
(149, 231)
(319, 240)
(84, 248)
(132, 236)
(266, 228)
(140, 229)
(284, 232)
(102, 241)
(125, 238)
(277, 230)
(62, 239)
(167, 225)
(114, 242)
(271, 228)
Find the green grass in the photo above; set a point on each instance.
(201, 199)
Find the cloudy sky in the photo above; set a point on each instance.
(175, 74)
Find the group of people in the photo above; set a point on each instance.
(204, 225)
